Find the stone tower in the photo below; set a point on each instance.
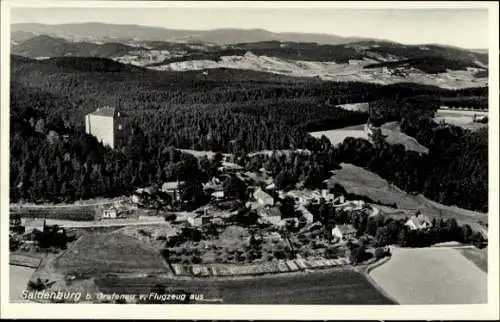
(106, 124)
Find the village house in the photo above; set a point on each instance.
(306, 196)
(351, 205)
(271, 215)
(344, 232)
(484, 232)
(263, 198)
(418, 222)
(306, 214)
(213, 184)
(270, 187)
(339, 200)
(34, 224)
(258, 177)
(110, 213)
(172, 188)
(16, 224)
(217, 195)
(300, 196)
(228, 167)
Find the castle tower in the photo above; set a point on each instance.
(106, 124)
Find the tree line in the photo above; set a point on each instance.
(52, 159)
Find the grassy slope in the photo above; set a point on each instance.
(362, 182)
(477, 256)
(335, 287)
(99, 253)
(431, 276)
(395, 136)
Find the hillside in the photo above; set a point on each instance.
(361, 183)
(365, 61)
(46, 46)
(218, 111)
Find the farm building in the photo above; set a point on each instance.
(228, 167)
(214, 184)
(106, 125)
(116, 211)
(484, 232)
(172, 188)
(418, 222)
(270, 187)
(271, 214)
(344, 232)
(217, 195)
(306, 214)
(305, 196)
(258, 177)
(111, 212)
(263, 198)
(35, 223)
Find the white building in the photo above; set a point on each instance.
(263, 198)
(418, 222)
(344, 232)
(110, 213)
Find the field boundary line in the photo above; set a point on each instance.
(365, 271)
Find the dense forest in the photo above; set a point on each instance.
(53, 159)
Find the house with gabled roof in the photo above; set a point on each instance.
(418, 222)
(263, 198)
(344, 232)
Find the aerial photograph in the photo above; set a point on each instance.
(248, 156)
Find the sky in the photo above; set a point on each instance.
(467, 28)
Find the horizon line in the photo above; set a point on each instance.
(250, 29)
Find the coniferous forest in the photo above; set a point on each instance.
(52, 159)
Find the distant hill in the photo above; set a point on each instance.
(47, 46)
(102, 31)
(380, 62)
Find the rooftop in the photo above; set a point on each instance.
(419, 220)
(346, 229)
(105, 111)
(231, 166)
(270, 212)
(304, 193)
(170, 185)
(260, 194)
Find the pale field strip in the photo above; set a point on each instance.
(19, 276)
(274, 267)
(439, 275)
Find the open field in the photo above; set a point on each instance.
(362, 107)
(232, 245)
(200, 154)
(462, 118)
(363, 183)
(87, 202)
(431, 276)
(154, 235)
(338, 136)
(390, 130)
(72, 212)
(98, 253)
(322, 287)
(393, 134)
(478, 256)
(19, 277)
(358, 181)
(151, 220)
(327, 70)
(24, 260)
